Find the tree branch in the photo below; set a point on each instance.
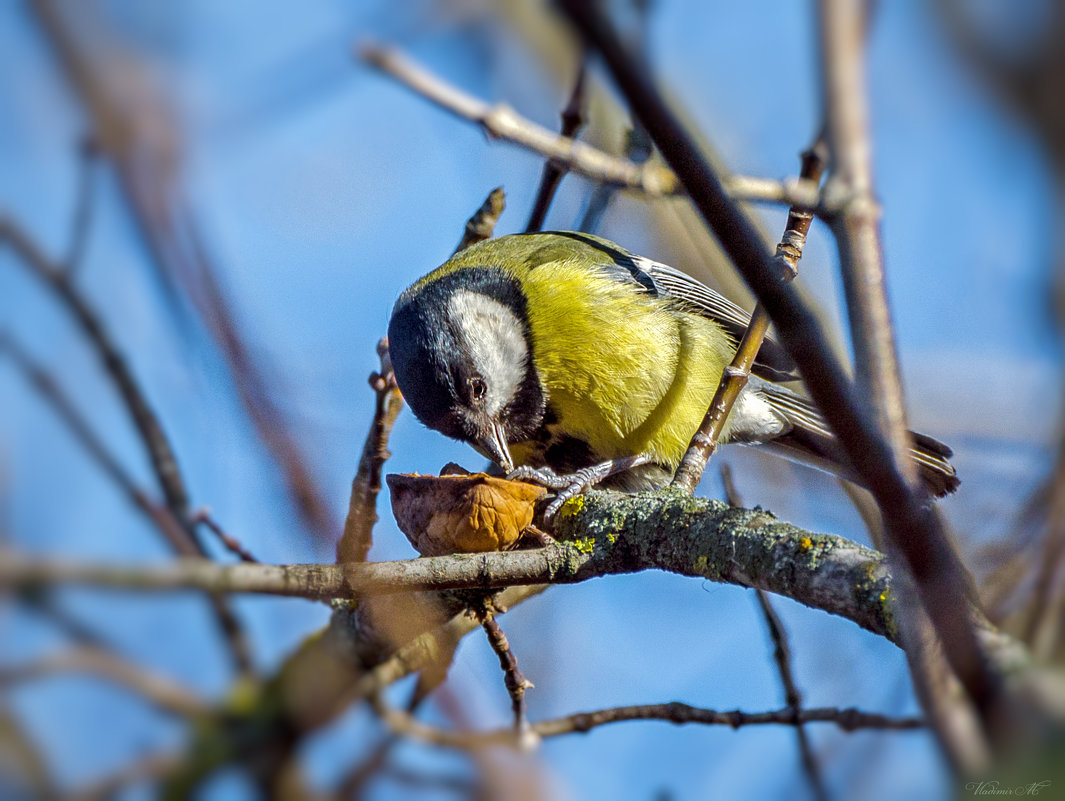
(848, 720)
(500, 121)
(608, 533)
(911, 520)
(182, 535)
(355, 543)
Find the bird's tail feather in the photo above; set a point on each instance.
(811, 441)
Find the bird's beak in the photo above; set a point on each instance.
(495, 445)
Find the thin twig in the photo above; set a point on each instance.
(83, 206)
(912, 522)
(734, 378)
(162, 692)
(355, 543)
(232, 544)
(555, 170)
(48, 388)
(848, 720)
(482, 224)
(513, 678)
(782, 657)
(500, 121)
(792, 696)
(152, 435)
(183, 535)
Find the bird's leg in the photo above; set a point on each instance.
(573, 484)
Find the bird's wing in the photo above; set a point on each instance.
(773, 361)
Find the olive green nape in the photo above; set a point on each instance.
(530, 250)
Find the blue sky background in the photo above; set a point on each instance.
(324, 189)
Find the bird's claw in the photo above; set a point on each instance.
(569, 486)
(544, 476)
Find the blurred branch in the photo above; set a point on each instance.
(135, 126)
(942, 584)
(182, 534)
(573, 118)
(25, 769)
(362, 508)
(857, 225)
(145, 768)
(638, 149)
(83, 205)
(48, 388)
(152, 436)
(231, 544)
(912, 521)
(500, 121)
(782, 656)
(162, 692)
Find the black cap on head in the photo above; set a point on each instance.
(434, 366)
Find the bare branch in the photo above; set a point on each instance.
(912, 521)
(554, 170)
(610, 532)
(362, 508)
(848, 720)
(500, 121)
(483, 222)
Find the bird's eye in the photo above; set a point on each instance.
(477, 388)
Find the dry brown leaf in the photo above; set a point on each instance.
(462, 514)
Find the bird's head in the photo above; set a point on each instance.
(462, 356)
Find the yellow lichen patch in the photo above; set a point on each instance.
(462, 514)
(584, 545)
(805, 544)
(701, 564)
(571, 508)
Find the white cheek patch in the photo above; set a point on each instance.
(495, 340)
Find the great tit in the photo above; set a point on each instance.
(566, 359)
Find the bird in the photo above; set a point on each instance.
(568, 361)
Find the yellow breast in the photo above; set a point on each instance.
(623, 371)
